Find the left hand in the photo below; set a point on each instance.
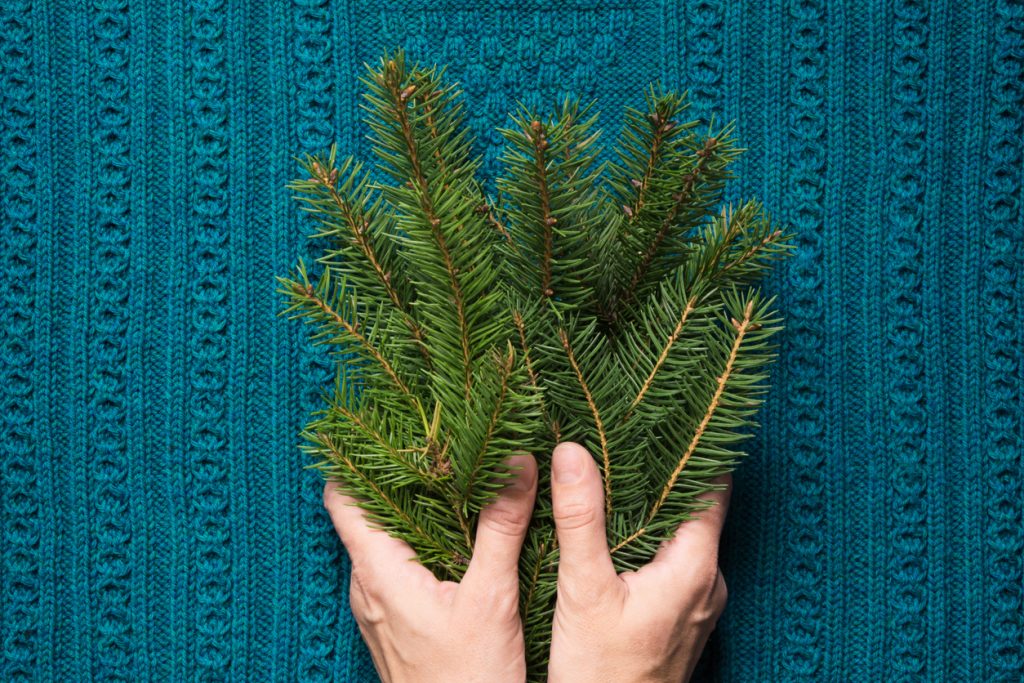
(424, 630)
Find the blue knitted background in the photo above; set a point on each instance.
(157, 524)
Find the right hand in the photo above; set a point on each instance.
(646, 626)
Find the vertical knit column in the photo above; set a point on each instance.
(825, 38)
(804, 599)
(170, 149)
(861, 501)
(143, 603)
(745, 546)
(907, 558)
(22, 527)
(934, 339)
(964, 403)
(210, 328)
(309, 66)
(1002, 279)
(111, 530)
(70, 67)
(700, 71)
(274, 555)
(239, 485)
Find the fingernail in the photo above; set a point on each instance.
(519, 480)
(567, 464)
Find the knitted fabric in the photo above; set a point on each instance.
(156, 521)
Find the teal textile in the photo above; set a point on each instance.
(156, 521)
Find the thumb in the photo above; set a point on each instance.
(501, 527)
(585, 565)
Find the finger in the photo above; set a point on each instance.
(578, 504)
(698, 538)
(374, 548)
(502, 526)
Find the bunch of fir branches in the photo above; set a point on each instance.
(611, 303)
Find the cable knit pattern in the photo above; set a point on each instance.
(111, 538)
(156, 520)
(1002, 288)
(210, 329)
(22, 524)
(908, 534)
(805, 601)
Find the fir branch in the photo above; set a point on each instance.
(358, 223)
(738, 245)
(310, 294)
(537, 137)
(427, 477)
(670, 342)
(682, 199)
(650, 282)
(517, 319)
(550, 189)
(313, 303)
(598, 423)
(741, 328)
(659, 147)
(469, 486)
(487, 209)
(399, 101)
(533, 575)
(419, 537)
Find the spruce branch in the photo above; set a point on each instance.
(334, 309)
(598, 422)
(610, 303)
(351, 215)
(549, 188)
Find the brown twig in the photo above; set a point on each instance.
(741, 329)
(597, 421)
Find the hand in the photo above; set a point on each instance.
(645, 626)
(424, 630)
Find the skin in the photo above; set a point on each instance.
(633, 627)
(647, 626)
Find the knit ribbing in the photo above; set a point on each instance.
(309, 46)
(804, 600)
(701, 67)
(839, 608)
(111, 537)
(22, 528)
(156, 520)
(747, 542)
(965, 406)
(933, 338)
(1001, 295)
(74, 619)
(210, 329)
(908, 535)
(856, 361)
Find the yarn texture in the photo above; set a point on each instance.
(157, 523)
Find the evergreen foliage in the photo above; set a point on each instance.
(607, 303)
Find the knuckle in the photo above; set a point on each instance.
(366, 609)
(720, 594)
(702, 577)
(500, 598)
(365, 582)
(575, 514)
(583, 596)
(710, 608)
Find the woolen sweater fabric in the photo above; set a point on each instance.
(157, 522)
